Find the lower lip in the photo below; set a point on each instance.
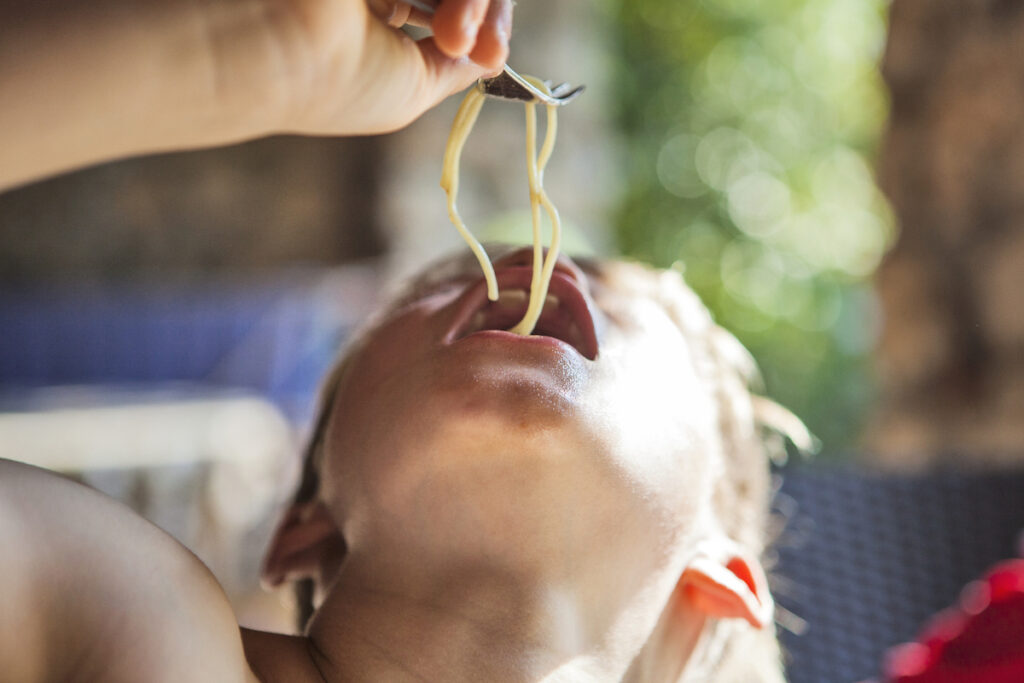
(505, 337)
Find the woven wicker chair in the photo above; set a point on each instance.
(867, 558)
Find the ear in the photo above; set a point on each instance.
(305, 545)
(725, 582)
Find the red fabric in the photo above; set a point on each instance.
(981, 640)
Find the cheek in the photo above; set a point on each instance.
(384, 377)
(382, 368)
(660, 418)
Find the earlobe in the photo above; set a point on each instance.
(305, 542)
(728, 584)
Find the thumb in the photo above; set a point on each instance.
(443, 75)
(405, 78)
(391, 82)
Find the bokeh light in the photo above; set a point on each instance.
(750, 129)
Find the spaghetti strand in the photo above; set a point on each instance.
(543, 268)
(541, 280)
(468, 112)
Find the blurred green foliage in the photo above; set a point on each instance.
(749, 126)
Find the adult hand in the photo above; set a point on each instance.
(90, 81)
(363, 75)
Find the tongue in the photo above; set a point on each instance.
(554, 321)
(497, 317)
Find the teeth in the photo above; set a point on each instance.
(575, 336)
(512, 298)
(476, 323)
(550, 302)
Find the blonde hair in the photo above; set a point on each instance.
(748, 430)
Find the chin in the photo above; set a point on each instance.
(518, 415)
(509, 394)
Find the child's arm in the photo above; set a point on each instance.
(91, 592)
(87, 81)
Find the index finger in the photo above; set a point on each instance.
(491, 48)
(457, 24)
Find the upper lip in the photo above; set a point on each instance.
(570, 320)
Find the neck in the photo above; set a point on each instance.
(472, 624)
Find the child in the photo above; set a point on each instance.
(585, 504)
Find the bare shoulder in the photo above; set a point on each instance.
(93, 592)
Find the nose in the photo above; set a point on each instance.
(524, 257)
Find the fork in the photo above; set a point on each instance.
(509, 85)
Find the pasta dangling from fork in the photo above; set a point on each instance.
(543, 268)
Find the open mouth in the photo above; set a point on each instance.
(566, 316)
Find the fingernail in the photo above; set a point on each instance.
(501, 31)
(472, 18)
(468, 27)
(503, 26)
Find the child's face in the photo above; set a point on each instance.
(524, 450)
